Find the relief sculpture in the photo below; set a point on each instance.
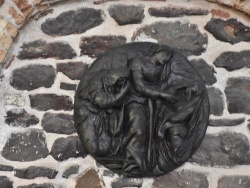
(141, 109)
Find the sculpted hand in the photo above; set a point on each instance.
(170, 98)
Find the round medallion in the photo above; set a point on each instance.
(141, 109)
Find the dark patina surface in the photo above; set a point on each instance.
(141, 109)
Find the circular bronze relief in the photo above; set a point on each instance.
(141, 109)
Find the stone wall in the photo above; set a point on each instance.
(38, 142)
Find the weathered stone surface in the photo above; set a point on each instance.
(183, 179)
(65, 148)
(20, 118)
(89, 179)
(5, 182)
(184, 37)
(28, 146)
(126, 14)
(44, 102)
(34, 185)
(216, 101)
(226, 149)
(19, 19)
(58, 123)
(176, 11)
(238, 95)
(6, 168)
(34, 172)
(43, 49)
(71, 170)
(234, 182)
(206, 71)
(14, 99)
(33, 77)
(233, 60)
(220, 13)
(127, 182)
(67, 86)
(74, 70)
(72, 22)
(226, 122)
(230, 31)
(25, 7)
(97, 45)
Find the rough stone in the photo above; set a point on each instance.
(65, 148)
(126, 14)
(20, 118)
(72, 22)
(5, 40)
(226, 149)
(71, 170)
(3, 54)
(89, 179)
(28, 146)
(33, 172)
(206, 71)
(33, 77)
(24, 6)
(19, 19)
(5, 182)
(216, 101)
(74, 70)
(44, 102)
(184, 178)
(176, 12)
(58, 123)
(226, 122)
(14, 99)
(231, 31)
(6, 168)
(42, 49)
(184, 37)
(12, 30)
(67, 86)
(234, 181)
(34, 185)
(220, 13)
(238, 95)
(127, 182)
(97, 45)
(233, 60)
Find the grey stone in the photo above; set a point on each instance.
(20, 118)
(42, 49)
(233, 60)
(72, 22)
(28, 146)
(44, 102)
(176, 12)
(71, 170)
(225, 122)
(67, 86)
(183, 37)
(34, 185)
(33, 77)
(127, 182)
(6, 168)
(95, 46)
(216, 101)
(231, 30)
(58, 123)
(74, 70)
(206, 71)
(65, 148)
(14, 99)
(182, 179)
(5, 182)
(234, 182)
(89, 179)
(225, 150)
(33, 172)
(126, 14)
(238, 95)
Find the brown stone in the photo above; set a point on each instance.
(5, 41)
(1, 2)
(89, 179)
(12, 30)
(24, 6)
(19, 19)
(220, 13)
(3, 54)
